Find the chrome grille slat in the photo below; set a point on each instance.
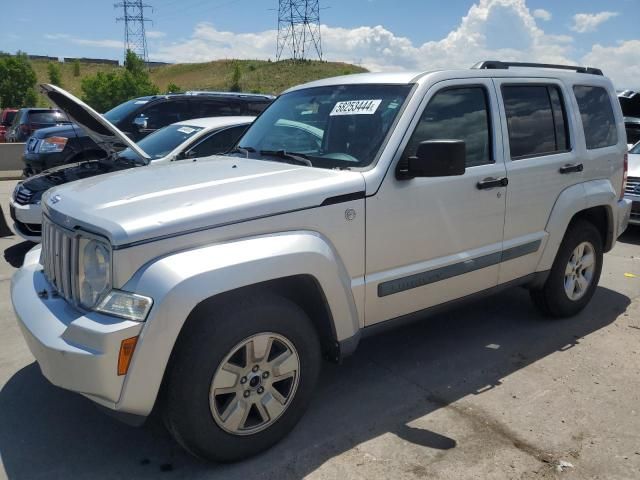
(633, 186)
(58, 258)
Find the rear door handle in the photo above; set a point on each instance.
(488, 183)
(578, 167)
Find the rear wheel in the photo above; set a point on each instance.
(575, 272)
(240, 382)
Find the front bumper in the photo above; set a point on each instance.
(623, 216)
(27, 220)
(75, 350)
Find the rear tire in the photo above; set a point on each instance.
(225, 376)
(575, 273)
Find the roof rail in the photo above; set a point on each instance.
(498, 65)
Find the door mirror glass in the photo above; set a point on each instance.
(434, 158)
(141, 123)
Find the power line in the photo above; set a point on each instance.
(135, 38)
(299, 28)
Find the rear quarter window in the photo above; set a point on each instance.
(598, 120)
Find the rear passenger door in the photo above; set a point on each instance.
(541, 161)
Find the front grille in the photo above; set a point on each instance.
(633, 186)
(59, 254)
(23, 195)
(32, 145)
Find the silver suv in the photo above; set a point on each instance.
(351, 202)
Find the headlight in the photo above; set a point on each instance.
(94, 271)
(126, 305)
(52, 145)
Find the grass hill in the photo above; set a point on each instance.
(255, 75)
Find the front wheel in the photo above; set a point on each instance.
(240, 381)
(575, 273)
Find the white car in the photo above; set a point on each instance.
(185, 140)
(211, 292)
(632, 192)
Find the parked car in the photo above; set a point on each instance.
(630, 103)
(29, 120)
(6, 119)
(139, 117)
(223, 283)
(632, 191)
(190, 139)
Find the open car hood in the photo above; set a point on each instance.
(102, 131)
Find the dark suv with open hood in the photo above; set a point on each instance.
(630, 103)
(136, 118)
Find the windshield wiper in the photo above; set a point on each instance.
(299, 158)
(243, 150)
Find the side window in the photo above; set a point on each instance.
(536, 120)
(219, 142)
(457, 114)
(256, 108)
(598, 120)
(165, 113)
(220, 108)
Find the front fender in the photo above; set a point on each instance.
(179, 282)
(572, 200)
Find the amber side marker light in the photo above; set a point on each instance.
(127, 347)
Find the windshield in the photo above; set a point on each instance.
(163, 141)
(333, 127)
(635, 149)
(47, 117)
(119, 113)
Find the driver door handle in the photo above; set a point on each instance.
(575, 168)
(488, 183)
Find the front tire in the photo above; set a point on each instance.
(241, 378)
(575, 273)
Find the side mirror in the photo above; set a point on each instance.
(186, 155)
(141, 123)
(435, 158)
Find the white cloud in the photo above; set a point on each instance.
(492, 29)
(153, 34)
(542, 14)
(106, 43)
(589, 22)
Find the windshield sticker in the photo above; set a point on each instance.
(141, 102)
(356, 107)
(186, 130)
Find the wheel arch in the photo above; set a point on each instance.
(591, 201)
(301, 266)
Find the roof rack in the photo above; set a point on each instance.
(498, 65)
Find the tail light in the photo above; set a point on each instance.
(624, 175)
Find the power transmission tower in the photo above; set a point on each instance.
(299, 28)
(135, 38)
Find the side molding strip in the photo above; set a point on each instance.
(432, 276)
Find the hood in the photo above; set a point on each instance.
(70, 130)
(634, 165)
(104, 133)
(182, 197)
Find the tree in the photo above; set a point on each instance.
(17, 81)
(173, 88)
(54, 74)
(103, 91)
(76, 68)
(235, 78)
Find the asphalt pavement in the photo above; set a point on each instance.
(486, 390)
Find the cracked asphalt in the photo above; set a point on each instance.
(488, 390)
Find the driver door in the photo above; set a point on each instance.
(432, 240)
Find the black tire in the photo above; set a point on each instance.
(552, 299)
(208, 340)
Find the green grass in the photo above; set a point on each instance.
(256, 75)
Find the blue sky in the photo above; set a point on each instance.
(380, 34)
